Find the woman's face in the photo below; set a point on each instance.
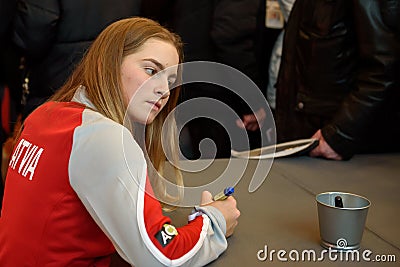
(146, 79)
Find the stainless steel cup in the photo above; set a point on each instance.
(342, 228)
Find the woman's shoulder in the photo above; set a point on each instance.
(97, 124)
(105, 145)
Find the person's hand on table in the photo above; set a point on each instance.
(227, 207)
(252, 122)
(323, 149)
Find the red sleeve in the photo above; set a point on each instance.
(172, 242)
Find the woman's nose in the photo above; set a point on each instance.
(162, 90)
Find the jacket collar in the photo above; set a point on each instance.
(81, 97)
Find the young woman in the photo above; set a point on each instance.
(74, 189)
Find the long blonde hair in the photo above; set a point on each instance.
(100, 72)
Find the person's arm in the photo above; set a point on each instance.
(379, 59)
(35, 25)
(108, 172)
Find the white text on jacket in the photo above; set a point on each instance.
(27, 155)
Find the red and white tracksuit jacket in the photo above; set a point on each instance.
(73, 196)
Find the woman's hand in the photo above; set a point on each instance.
(323, 149)
(227, 207)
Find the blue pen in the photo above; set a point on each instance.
(224, 194)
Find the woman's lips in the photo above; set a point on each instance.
(156, 105)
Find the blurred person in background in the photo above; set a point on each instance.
(285, 6)
(339, 77)
(54, 35)
(227, 32)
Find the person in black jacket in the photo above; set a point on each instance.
(55, 34)
(226, 32)
(339, 79)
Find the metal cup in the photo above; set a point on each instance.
(341, 228)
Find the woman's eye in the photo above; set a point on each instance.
(150, 71)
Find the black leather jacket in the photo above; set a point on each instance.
(340, 72)
(54, 35)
